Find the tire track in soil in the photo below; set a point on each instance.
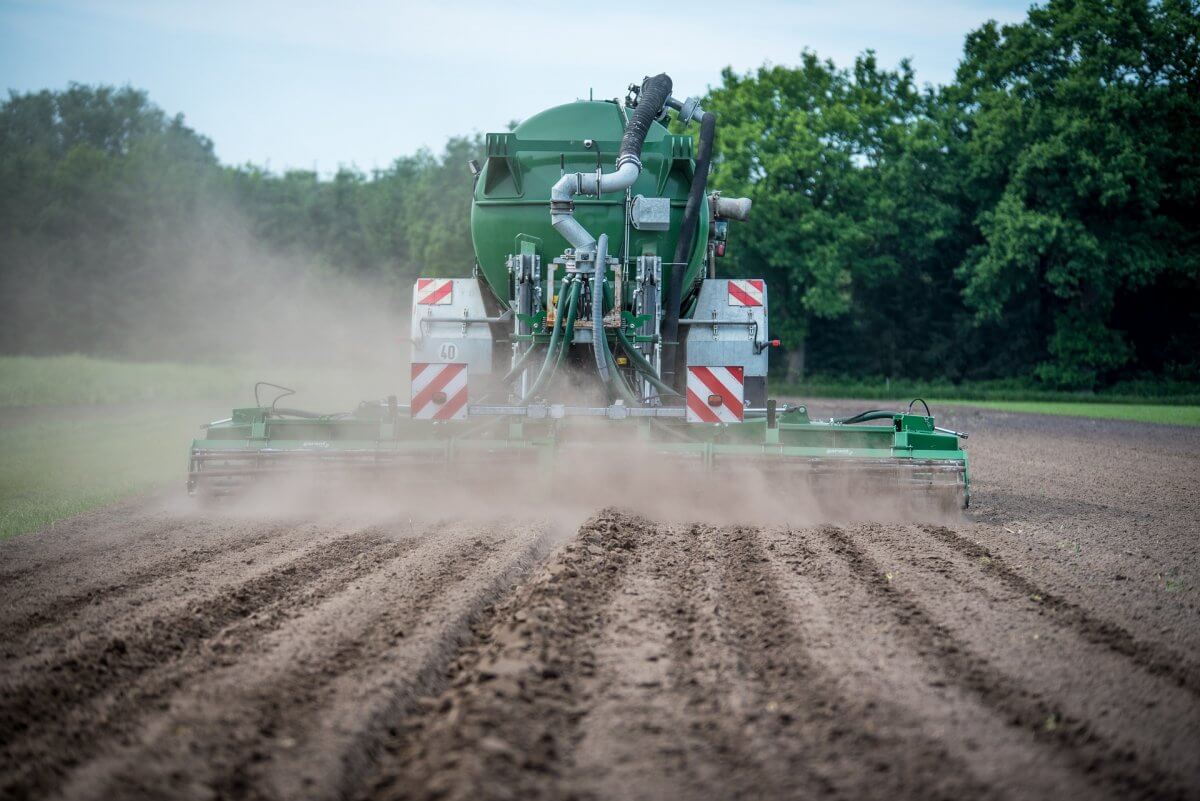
(1155, 659)
(45, 724)
(508, 723)
(852, 747)
(270, 727)
(1107, 766)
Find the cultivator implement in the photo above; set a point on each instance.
(782, 446)
(594, 333)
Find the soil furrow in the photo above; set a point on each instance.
(802, 715)
(509, 722)
(857, 641)
(105, 684)
(1156, 659)
(1108, 765)
(661, 724)
(286, 727)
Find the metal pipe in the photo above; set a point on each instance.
(654, 94)
(422, 321)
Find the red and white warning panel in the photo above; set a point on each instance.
(435, 291)
(439, 391)
(715, 394)
(746, 292)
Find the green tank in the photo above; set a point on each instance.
(512, 192)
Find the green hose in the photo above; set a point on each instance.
(550, 349)
(643, 366)
(569, 330)
(572, 314)
(616, 381)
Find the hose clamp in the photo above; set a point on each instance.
(629, 158)
(562, 206)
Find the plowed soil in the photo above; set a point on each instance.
(1045, 644)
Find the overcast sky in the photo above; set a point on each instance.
(286, 83)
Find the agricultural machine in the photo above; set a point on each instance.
(593, 324)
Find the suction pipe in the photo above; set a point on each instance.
(653, 97)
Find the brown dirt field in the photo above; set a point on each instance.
(1045, 645)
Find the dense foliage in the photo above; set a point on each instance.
(1035, 218)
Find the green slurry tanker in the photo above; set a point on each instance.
(593, 324)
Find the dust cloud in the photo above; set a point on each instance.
(596, 464)
(210, 291)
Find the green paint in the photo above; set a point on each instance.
(512, 194)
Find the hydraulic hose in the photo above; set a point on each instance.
(569, 331)
(643, 365)
(867, 416)
(618, 384)
(683, 249)
(599, 343)
(543, 374)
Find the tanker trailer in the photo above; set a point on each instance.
(593, 322)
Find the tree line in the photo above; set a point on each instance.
(1033, 219)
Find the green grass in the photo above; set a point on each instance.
(1140, 393)
(1138, 412)
(53, 469)
(70, 380)
(77, 432)
(83, 380)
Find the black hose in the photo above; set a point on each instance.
(921, 401)
(651, 99)
(863, 417)
(683, 250)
